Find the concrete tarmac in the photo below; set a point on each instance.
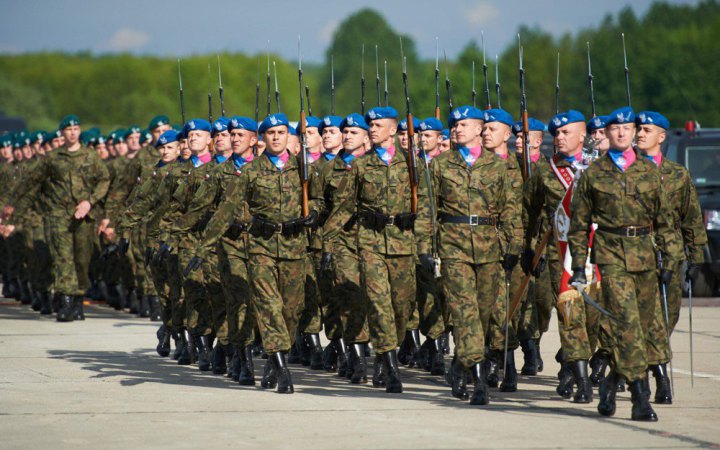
(99, 384)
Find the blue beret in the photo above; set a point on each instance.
(312, 122)
(167, 137)
(381, 112)
(158, 121)
(69, 120)
(329, 122)
(197, 125)
(402, 126)
(431, 124)
(652, 118)
(597, 123)
(533, 125)
(564, 118)
(462, 113)
(180, 135)
(498, 115)
(221, 124)
(445, 134)
(242, 123)
(354, 120)
(292, 130)
(274, 120)
(621, 115)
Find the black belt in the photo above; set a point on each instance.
(472, 220)
(631, 231)
(236, 229)
(378, 220)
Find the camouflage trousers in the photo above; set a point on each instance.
(674, 296)
(204, 297)
(633, 298)
(498, 315)
(311, 317)
(347, 308)
(471, 292)
(536, 310)
(15, 266)
(236, 285)
(168, 284)
(39, 261)
(143, 279)
(430, 304)
(71, 245)
(277, 299)
(390, 291)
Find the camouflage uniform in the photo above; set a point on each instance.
(118, 268)
(614, 199)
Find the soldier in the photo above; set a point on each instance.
(378, 191)
(623, 195)
(596, 130)
(688, 220)
(71, 180)
(497, 129)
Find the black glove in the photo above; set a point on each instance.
(312, 219)
(578, 276)
(163, 251)
(526, 260)
(325, 261)
(509, 262)
(123, 246)
(148, 255)
(541, 266)
(193, 265)
(666, 276)
(108, 251)
(427, 262)
(692, 271)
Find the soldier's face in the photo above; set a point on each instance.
(602, 141)
(17, 154)
(444, 146)
(121, 148)
(133, 142)
(494, 135)
(621, 135)
(102, 151)
(157, 132)
(403, 139)
(198, 141)
(332, 139)
(222, 141)
(294, 146)
(169, 152)
(27, 152)
(276, 140)
(650, 137)
(242, 141)
(313, 139)
(58, 142)
(382, 130)
(354, 138)
(71, 135)
(468, 132)
(430, 140)
(535, 142)
(6, 152)
(569, 139)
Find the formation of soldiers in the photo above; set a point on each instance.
(247, 239)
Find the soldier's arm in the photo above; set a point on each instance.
(30, 185)
(581, 208)
(316, 200)
(665, 236)
(231, 206)
(423, 223)
(201, 203)
(692, 225)
(102, 183)
(509, 209)
(514, 231)
(343, 210)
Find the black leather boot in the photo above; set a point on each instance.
(78, 311)
(178, 344)
(13, 290)
(445, 340)
(188, 354)
(641, 409)
(103, 292)
(65, 309)
(509, 382)
(133, 304)
(529, 357)
(343, 358)
(295, 356)
(163, 336)
(219, 361)
(234, 366)
(607, 392)
(284, 380)
(46, 305)
(458, 382)
(316, 351)
(155, 309)
(246, 374)
(416, 360)
(437, 358)
(122, 301)
(663, 392)
(359, 366)
(598, 364)
(584, 391)
(204, 347)
(36, 301)
(540, 363)
(405, 352)
(492, 369)
(393, 384)
(621, 385)
(330, 357)
(269, 379)
(378, 379)
(144, 308)
(25, 293)
(480, 395)
(565, 381)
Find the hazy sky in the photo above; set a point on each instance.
(181, 27)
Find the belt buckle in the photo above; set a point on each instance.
(390, 220)
(631, 231)
(278, 228)
(474, 220)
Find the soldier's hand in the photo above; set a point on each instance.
(109, 233)
(123, 246)
(7, 212)
(578, 276)
(666, 276)
(692, 271)
(108, 251)
(526, 260)
(193, 265)
(163, 251)
(103, 226)
(325, 261)
(6, 230)
(312, 219)
(509, 262)
(427, 262)
(82, 209)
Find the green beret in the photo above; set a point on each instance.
(145, 136)
(132, 130)
(158, 121)
(37, 136)
(119, 135)
(69, 120)
(6, 140)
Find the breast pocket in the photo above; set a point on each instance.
(607, 193)
(452, 188)
(371, 186)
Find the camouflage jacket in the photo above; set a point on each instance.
(484, 190)
(120, 187)
(609, 197)
(318, 185)
(374, 186)
(687, 215)
(65, 179)
(140, 168)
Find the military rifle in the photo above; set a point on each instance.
(437, 79)
(526, 162)
(277, 89)
(220, 89)
(473, 93)
(377, 76)
(304, 173)
(627, 72)
(485, 73)
(387, 96)
(362, 82)
(497, 81)
(267, 80)
(210, 111)
(182, 96)
(590, 81)
(412, 160)
(448, 85)
(332, 85)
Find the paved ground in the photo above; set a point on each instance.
(99, 384)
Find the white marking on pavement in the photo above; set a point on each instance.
(698, 374)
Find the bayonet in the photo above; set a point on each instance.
(557, 86)
(497, 81)
(277, 89)
(485, 73)
(307, 96)
(257, 91)
(627, 72)
(182, 96)
(332, 85)
(387, 97)
(220, 88)
(437, 78)
(362, 82)
(377, 76)
(267, 79)
(448, 84)
(473, 84)
(210, 111)
(590, 81)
